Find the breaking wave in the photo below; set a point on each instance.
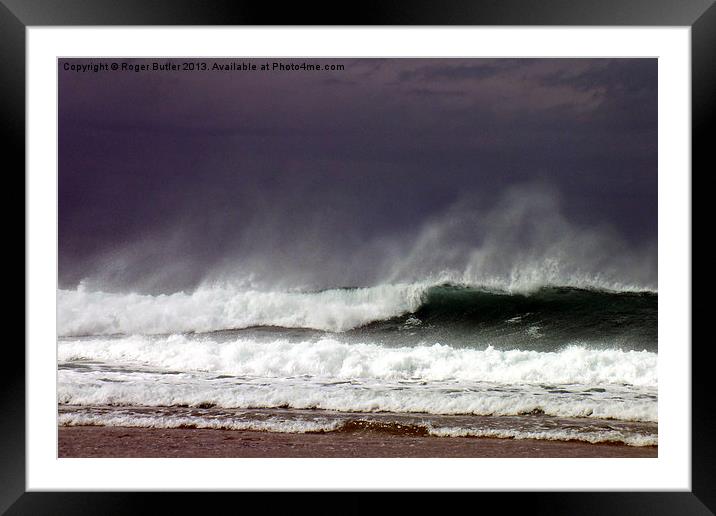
(599, 311)
(328, 357)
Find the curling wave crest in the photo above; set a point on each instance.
(81, 312)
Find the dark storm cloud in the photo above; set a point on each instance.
(167, 177)
(480, 69)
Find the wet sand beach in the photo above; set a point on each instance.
(103, 441)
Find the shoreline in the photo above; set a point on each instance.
(133, 442)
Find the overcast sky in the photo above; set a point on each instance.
(167, 177)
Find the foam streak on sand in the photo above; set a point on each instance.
(300, 422)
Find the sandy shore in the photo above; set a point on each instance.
(99, 441)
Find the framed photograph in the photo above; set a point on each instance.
(427, 250)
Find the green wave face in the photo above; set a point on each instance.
(543, 320)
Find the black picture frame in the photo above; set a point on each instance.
(700, 15)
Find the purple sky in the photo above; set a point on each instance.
(171, 175)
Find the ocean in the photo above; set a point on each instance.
(431, 359)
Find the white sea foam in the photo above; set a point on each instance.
(353, 399)
(97, 313)
(294, 426)
(329, 357)
(390, 380)
(602, 436)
